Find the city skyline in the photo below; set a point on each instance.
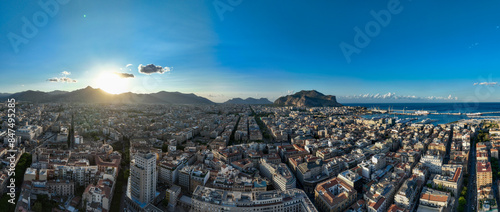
(222, 51)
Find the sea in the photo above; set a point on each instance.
(436, 107)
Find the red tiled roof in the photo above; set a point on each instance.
(483, 167)
(457, 174)
(435, 198)
(379, 203)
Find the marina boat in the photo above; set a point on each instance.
(428, 121)
(421, 112)
(378, 110)
(406, 120)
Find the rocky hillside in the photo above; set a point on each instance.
(311, 98)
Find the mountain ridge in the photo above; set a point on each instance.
(97, 95)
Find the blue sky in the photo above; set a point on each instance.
(427, 51)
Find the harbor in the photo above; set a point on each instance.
(434, 113)
(430, 112)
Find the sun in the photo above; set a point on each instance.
(112, 83)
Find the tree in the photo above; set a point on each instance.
(180, 147)
(164, 147)
(5, 205)
(80, 190)
(38, 207)
(23, 163)
(461, 204)
(126, 173)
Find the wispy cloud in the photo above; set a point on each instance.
(486, 83)
(151, 69)
(64, 78)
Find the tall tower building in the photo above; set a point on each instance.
(143, 178)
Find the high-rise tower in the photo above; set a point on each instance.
(143, 177)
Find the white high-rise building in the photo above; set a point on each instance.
(78, 139)
(143, 178)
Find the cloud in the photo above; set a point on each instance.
(151, 68)
(449, 97)
(64, 78)
(215, 95)
(393, 96)
(124, 75)
(486, 83)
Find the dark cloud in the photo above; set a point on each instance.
(151, 69)
(124, 75)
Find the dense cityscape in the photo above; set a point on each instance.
(230, 157)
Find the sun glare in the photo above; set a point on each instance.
(112, 83)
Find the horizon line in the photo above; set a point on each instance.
(341, 97)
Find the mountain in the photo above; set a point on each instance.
(248, 101)
(4, 94)
(92, 95)
(57, 92)
(311, 98)
(180, 98)
(34, 96)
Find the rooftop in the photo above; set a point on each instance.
(483, 167)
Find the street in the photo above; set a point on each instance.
(471, 188)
